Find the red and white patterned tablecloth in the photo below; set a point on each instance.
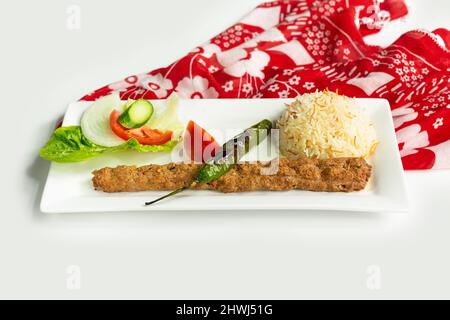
(286, 48)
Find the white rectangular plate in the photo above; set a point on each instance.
(69, 188)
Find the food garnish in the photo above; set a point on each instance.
(144, 135)
(68, 144)
(95, 125)
(229, 155)
(199, 145)
(168, 120)
(97, 134)
(137, 114)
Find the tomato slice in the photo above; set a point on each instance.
(198, 143)
(150, 137)
(144, 135)
(116, 127)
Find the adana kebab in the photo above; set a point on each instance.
(229, 155)
(331, 175)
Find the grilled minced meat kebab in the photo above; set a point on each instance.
(334, 175)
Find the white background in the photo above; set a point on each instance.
(44, 66)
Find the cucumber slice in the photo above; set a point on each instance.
(128, 104)
(137, 114)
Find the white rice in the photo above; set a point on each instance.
(326, 125)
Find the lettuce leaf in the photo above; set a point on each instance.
(133, 144)
(68, 144)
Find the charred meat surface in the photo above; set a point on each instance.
(334, 175)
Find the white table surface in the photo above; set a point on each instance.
(211, 255)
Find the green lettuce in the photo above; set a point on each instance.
(68, 144)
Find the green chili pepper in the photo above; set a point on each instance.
(232, 152)
(229, 155)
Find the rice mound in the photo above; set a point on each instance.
(326, 125)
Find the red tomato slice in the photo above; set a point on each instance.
(199, 144)
(116, 127)
(150, 137)
(144, 135)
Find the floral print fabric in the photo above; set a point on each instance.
(286, 48)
